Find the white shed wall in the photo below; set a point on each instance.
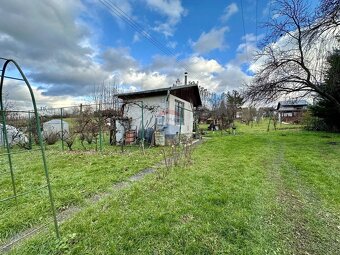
(134, 112)
(162, 110)
(188, 117)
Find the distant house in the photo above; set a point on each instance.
(291, 111)
(167, 111)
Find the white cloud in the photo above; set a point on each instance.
(54, 46)
(17, 92)
(66, 63)
(118, 59)
(171, 44)
(163, 63)
(122, 8)
(212, 40)
(210, 74)
(145, 80)
(232, 78)
(201, 65)
(214, 76)
(268, 8)
(167, 29)
(136, 38)
(247, 50)
(230, 10)
(173, 10)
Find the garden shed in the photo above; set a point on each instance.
(167, 111)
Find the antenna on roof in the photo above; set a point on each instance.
(177, 82)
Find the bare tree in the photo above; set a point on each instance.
(234, 101)
(105, 95)
(215, 101)
(205, 96)
(287, 63)
(7, 102)
(326, 20)
(223, 114)
(85, 126)
(248, 115)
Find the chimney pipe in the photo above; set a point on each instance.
(186, 78)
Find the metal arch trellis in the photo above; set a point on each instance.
(4, 129)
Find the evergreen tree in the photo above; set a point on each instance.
(325, 108)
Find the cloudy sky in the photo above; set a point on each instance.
(67, 47)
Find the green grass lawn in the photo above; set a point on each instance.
(74, 175)
(257, 192)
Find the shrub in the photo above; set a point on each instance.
(313, 123)
(51, 137)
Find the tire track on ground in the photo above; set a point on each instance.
(300, 208)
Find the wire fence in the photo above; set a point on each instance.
(87, 126)
(10, 135)
(81, 127)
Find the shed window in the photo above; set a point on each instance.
(179, 112)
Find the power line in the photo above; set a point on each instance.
(244, 30)
(139, 28)
(116, 10)
(256, 6)
(269, 17)
(142, 31)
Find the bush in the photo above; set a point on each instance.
(313, 123)
(69, 138)
(51, 137)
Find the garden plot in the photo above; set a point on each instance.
(75, 176)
